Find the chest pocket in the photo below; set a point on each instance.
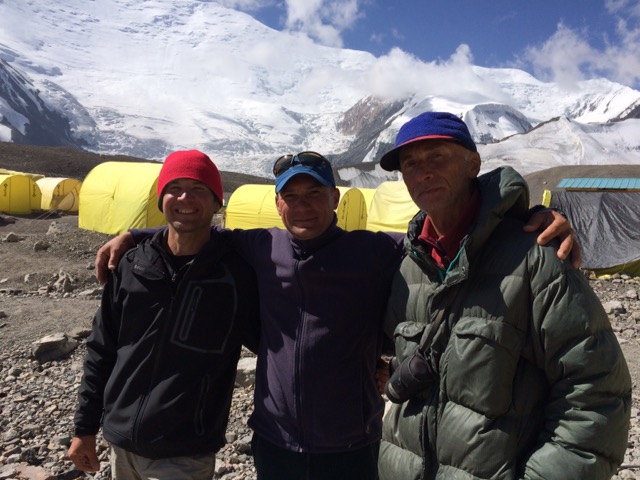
(407, 337)
(483, 358)
(207, 315)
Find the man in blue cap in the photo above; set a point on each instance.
(317, 410)
(506, 365)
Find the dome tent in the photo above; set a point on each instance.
(117, 196)
(60, 193)
(352, 209)
(391, 208)
(254, 206)
(19, 194)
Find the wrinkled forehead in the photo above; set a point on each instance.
(431, 145)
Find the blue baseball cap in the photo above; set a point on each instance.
(428, 126)
(307, 163)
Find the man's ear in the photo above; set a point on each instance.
(336, 197)
(474, 159)
(278, 204)
(217, 204)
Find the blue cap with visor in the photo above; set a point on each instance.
(307, 163)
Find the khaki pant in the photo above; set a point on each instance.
(129, 466)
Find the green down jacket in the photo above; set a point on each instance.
(531, 379)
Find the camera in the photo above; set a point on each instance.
(412, 376)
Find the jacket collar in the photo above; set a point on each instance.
(304, 248)
(504, 193)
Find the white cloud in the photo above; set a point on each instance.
(322, 20)
(564, 58)
(395, 33)
(626, 7)
(567, 56)
(376, 38)
(399, 74)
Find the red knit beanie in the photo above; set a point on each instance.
(191, 164)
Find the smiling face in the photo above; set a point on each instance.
(189, 205)
(439, 176)
(306, 206)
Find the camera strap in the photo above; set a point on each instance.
(429, 333)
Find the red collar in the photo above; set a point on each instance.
(445, 247)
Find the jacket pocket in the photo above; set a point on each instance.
(483, 357)
(206, 315)
(199, 421)
(407, 336)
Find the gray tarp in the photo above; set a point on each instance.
(607, 225)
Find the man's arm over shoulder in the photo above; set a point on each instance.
(252, 244)
(552, 224)
(110, 253)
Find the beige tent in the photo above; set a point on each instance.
(117, 196)
(19, 194)
(253, 206)
(391, 208)
(60, 193)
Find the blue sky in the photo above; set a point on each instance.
(555, 40)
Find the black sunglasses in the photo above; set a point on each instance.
(309, 159)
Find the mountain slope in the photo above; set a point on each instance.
(146, 78)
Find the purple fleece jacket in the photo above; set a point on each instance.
(321, 309)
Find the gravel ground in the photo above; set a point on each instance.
(53, 290)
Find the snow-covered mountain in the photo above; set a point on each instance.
(146, 78)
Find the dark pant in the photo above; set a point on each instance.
(276, 463)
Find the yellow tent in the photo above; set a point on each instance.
(33, 176)
(117, 196)
(254, 206)
(60, 193)
(352, 210)
(391, 208)
(19, 194)
(367, 194)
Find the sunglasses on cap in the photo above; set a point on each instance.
(308, 159)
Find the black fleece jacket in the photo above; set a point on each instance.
(161, 360)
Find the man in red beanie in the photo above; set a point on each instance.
(161, 359)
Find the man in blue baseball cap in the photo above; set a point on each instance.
(506, 364)
(308, 163)
(306, 193)
(429, 126)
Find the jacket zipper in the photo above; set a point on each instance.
(157, 352)
(298, 361)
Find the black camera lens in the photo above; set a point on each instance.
(413, 375)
